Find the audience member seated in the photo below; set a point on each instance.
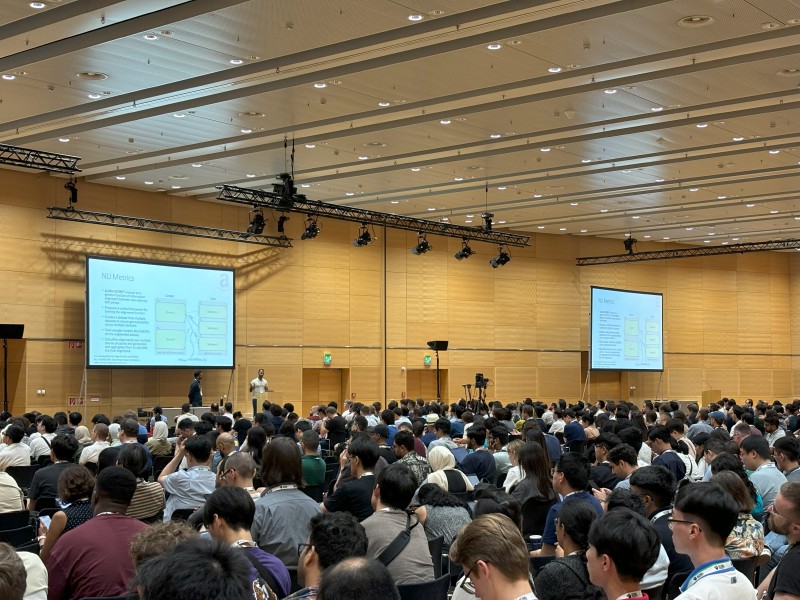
(11, 496)
(196, 570)
(84, 439)
(498, 446)
(40, 441)
(757, 458)
(622, 547)
(149, 500)
(282, 512)
(479, 461)
(313, 466)
(45, 480)
(662, 444)
(494, 558)
(380, 435)
(394, 489)
(159, 539)
(732, 463)
(747, 536)
(703, 518)
(12, 574)
(783, 582)
(94, 559)
(536, 483)
(129, 434)
(442, 431)
(566, 578)
(35, 576)
(100, 437)
(334, 537)
(656, 486)
(444, 472)
(158, 444)
(228, 516)
(75, 487)
(188, 489)
(15, 453)
(355, 496)
(405, 449)
(570, 478)
(441, 513)
(602, 473)
(357, 578)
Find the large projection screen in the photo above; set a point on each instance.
(626, 331)
(148, 315)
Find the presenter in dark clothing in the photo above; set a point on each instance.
(195, 391)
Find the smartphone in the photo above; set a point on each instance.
(45, 521)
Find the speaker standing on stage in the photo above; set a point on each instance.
(257, 386)
(195, 391)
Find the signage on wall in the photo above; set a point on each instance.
(427, 360)
(327, 358)
(75, 345)
(75, 401)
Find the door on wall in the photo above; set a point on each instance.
(321, 386)
(421, 383)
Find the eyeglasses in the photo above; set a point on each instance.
(466, 584)
(225, 473)
(301, 546)
(771, 509)
(671, 522)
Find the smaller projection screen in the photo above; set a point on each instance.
(626, 331)
(150, 315)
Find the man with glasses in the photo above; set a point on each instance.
(333, 538)
(783, 583)
(703, 518)
(494, 558)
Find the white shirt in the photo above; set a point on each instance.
(36, 580)
(259, 386)
(40, 447)
(15, 455)
(188, 415)
(92, 452)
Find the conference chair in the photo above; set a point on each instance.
(435, 546)
(535, 563)
(747, 567)
(18, 536)
(430, 590)
(534, 515)
(314, 491)
(181, 514)
(23, 476)
(15, 519)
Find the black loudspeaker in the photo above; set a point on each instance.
(14, 332)
(438, 345)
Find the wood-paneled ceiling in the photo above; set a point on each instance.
(675, 120)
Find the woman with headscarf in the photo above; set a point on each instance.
(84, 439)
(113, 433)
(158, 444)
(444, 472)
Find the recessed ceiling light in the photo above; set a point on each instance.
(236, 61)
(660, 180)
(603, 210)
(363, 158)
(721, 197)
(246, 130)
(92, 75)
(178, 115)
(150, 36)
(664, 238)
(735, 239)
(468, 221)
(586, 160)
(176, 187)
(348, 193)
(562, 228)
(197, 165)
(250, 175)
(94, 96)
(384, 103)
(584, 230)
(9, 76)
(120, 177)
(738, 138)
(610, 91)
(470, 216)
(63, 139)
(494, 46)
(502, 222)
(537, 195)
(37, 5)
(544, 149)
(626, 170)
(415, 17)
(701, 125)
(573, 204)
(693, 189)
(706, 241)
(694, 21)
(394, 202)
(445, 121)
(494, 136)
(311, 145)
(415, 169)
(773, 212)
(774, 151)
(770, 25)
(689, 228)
(555, 69)
(712, 233)
(656, 108)
(148, 183)
(788, 73)
(635, 217)
(320, 85)
(647, 237)
(459, 179)
(749, 205)
(431, 208)
(501, 187)
(540, 227)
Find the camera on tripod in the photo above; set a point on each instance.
(480, 381)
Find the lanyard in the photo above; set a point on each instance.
(636, 594)
(280, 488)
(660, 514)
(722, 565)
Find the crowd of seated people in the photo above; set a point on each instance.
(284, 506)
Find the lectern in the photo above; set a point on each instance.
(8, 332)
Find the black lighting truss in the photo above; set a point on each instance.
(96, 218)
(299, 203)
(35, 159)
(686, 252)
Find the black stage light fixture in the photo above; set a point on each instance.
(487, 221)
(73, 193)
(364, 238)
(257, 223)
(502, 258)
(281, 221)
(465, 251)
(312, 229)
(629, 243)
(422, 245)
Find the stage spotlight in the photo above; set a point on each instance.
(257, 223)
(422, 245)
(312, 229)
(487, 221)
(465, 251)
(500, 259)
(281, 221)
(629, 243)
(364, 238)
(73, 193)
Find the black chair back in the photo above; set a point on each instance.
(46, 502)
(314, 491)
(23, 475)
(15, 519)
(296, 587)
(534, 515)
(535, 563)
(159, 462)
(430, 590)
(181, 514)
(435, 546)
(672, 588)
(92, 467)
(18, 536)
(747, 567)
